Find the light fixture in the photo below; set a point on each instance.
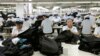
(42, 8)
(55, 7)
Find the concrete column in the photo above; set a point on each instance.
(20, 10)
(30, 8)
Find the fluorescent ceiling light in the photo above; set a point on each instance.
(34, 9)
(83, 2)
(81, 9)
(96, 2)
(42, 8)
(30, 0)
(95, 8)
(44, 2)
(80, 2)
(55, 7)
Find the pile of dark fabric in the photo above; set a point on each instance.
(90, 44)
(22, 48)
(41, 43)
(67, 37)
(74, 14)
(9, 24)
(34, 40)
(48, 46)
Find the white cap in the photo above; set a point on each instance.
(86, 16)
(19, 19)
(70, 17)
(10, 15)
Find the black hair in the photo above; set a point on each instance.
(25, 19)
(50, 15)
(28, 16)
(69, 19)
(19, 22)
(87, 18)
(46, 16)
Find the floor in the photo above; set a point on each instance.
(70, 50)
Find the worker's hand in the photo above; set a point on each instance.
(76, 33)
(1, 24)
(99, 36)
(69, 29)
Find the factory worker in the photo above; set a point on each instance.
(47, 25)
(19, 28)
(56, 18)
(70, 27)
(26, 23)
(73, 30)
(92, 18)
(68, 16)
(97, 29)
(78, 20)
(86, 25)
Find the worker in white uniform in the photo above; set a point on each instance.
(56, 18)
(18, 28)
(86, 26)
(92, 18)
(47, 25)
(97, 31)
(26, 23)
(70, 27)
(67, 16)
(73, 29)
(57, 21)
(98, 20)
(29, 19)
(78, 20)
